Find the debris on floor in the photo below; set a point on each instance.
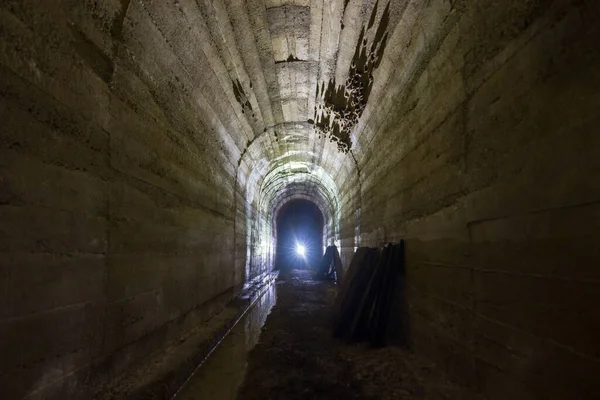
(297, 358)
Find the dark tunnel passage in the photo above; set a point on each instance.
(160, 161)
(299, 236)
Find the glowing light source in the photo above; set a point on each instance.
(301, 250)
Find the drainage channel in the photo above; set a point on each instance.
(222, 372)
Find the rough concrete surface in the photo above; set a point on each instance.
(146, 148)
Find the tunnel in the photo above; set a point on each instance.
(156, 156)
(299, 236)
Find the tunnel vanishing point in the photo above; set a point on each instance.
(147, 147)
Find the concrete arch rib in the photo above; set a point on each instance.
(291, 176)
(326, 212)
(302, 178)
(272, 171)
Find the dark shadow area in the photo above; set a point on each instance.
(398, 329)
(372, 291)
(299, 230)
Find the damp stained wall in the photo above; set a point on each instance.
(480, 147)
(147, 147)
(144, 151)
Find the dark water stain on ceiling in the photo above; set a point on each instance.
(242, 97)
(341, 105)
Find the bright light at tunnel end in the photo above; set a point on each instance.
(300, 249)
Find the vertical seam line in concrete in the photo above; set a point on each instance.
(232, 58)
(319, 77)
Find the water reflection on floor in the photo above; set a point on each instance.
(223, 373)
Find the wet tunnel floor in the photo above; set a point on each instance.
(295, 356)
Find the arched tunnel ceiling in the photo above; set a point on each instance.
(264, 82)
(303, 72)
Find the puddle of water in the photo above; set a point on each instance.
(223, 373)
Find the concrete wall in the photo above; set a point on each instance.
(117, 176)
(146, 144)
(483, 151)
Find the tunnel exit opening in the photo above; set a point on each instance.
(299, 236)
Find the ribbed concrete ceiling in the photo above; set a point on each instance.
(302, 72)
(289, 97)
